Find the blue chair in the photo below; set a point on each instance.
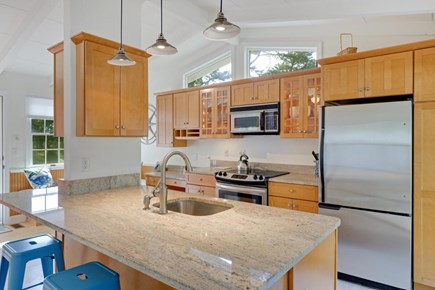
(16, 254)
(89, 276)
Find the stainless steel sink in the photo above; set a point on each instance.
(195, 207)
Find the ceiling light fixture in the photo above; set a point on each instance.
(121, 58)
(161, 46)
(221, 29)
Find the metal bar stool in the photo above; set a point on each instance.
(89, 276)
(16, 254)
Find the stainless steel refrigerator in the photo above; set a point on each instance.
(366, 181)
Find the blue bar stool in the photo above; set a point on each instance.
(89, 276)
(16, 254)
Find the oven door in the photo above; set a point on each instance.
(249, 194)
(247, 122)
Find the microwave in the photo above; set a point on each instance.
(255, 119)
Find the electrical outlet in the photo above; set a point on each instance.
(85, 164)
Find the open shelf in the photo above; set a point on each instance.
(187, 134)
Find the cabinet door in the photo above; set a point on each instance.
(206, 113)
(221, 115)
(180, 114)
(343, 81)
(209, 191)
(266, 91)
(280, 202)
(389, 75)
(164, 121)
(424, 74)
(292, 93)
(58, 95)
(193, 189)
(134, 98)
(311, 98)
(101, 92)
(424, 193)
(242, 94)
(192, 110)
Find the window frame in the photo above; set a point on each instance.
(317, 45)
(29, 155)
(227, 54)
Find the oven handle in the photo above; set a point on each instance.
(242, 189)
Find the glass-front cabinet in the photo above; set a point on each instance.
(300, 100)
(215, 112)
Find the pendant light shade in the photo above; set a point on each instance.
(221, 29)
(161, 46)
(121, 58)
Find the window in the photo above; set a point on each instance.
(46, 148)
(215, 71)
(269, 61)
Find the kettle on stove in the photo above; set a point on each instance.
(243, 167)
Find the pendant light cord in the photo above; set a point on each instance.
(121, 23)
(161, 17)
(221, 6)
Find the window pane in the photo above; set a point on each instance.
(215, 71)
(52, 142)
(52, 156)
(61, 156)
(38, 142)
(38, 157)
(49, 126)
(269, 61)
(61, 142)
(37, 126)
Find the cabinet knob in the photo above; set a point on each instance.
(123, 127)
(360, 90)
(289, 205)
(200, 179)
(117, 127)
(300, 131)
(367, 89)
(291, 190)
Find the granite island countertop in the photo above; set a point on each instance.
(246, 247)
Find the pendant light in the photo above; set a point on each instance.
(161, 46)
(121, 58)
(221, 29)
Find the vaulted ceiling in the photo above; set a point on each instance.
(29, 27)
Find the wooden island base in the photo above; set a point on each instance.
(317, 270)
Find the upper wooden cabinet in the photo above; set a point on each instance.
(385, 75)
(424, 75)
(111, 100)
(57, 51)
(186, 110)
(266, 91)
(215, 112)
(300, 100)
(424, 194)
(165, 126)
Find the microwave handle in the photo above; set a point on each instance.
(262, 120)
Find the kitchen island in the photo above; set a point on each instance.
(245, 247)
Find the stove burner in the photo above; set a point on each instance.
(254, 177)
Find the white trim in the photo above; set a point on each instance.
(277, 45)
(217, 59)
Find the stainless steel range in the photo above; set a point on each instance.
(248, 187)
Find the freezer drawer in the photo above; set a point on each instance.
(374, 246)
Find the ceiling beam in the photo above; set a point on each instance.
(36, 15)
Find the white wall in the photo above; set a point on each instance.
(15, 87)
(166, 73)
(107, 156)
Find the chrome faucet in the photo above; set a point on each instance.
(161, 188)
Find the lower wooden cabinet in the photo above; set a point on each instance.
(202, 184)
(293, 196)
(172, 183)
(424, 195)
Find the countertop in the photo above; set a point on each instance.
(246, 247)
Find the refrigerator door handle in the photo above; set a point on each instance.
(329, 206)
(321, 153)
